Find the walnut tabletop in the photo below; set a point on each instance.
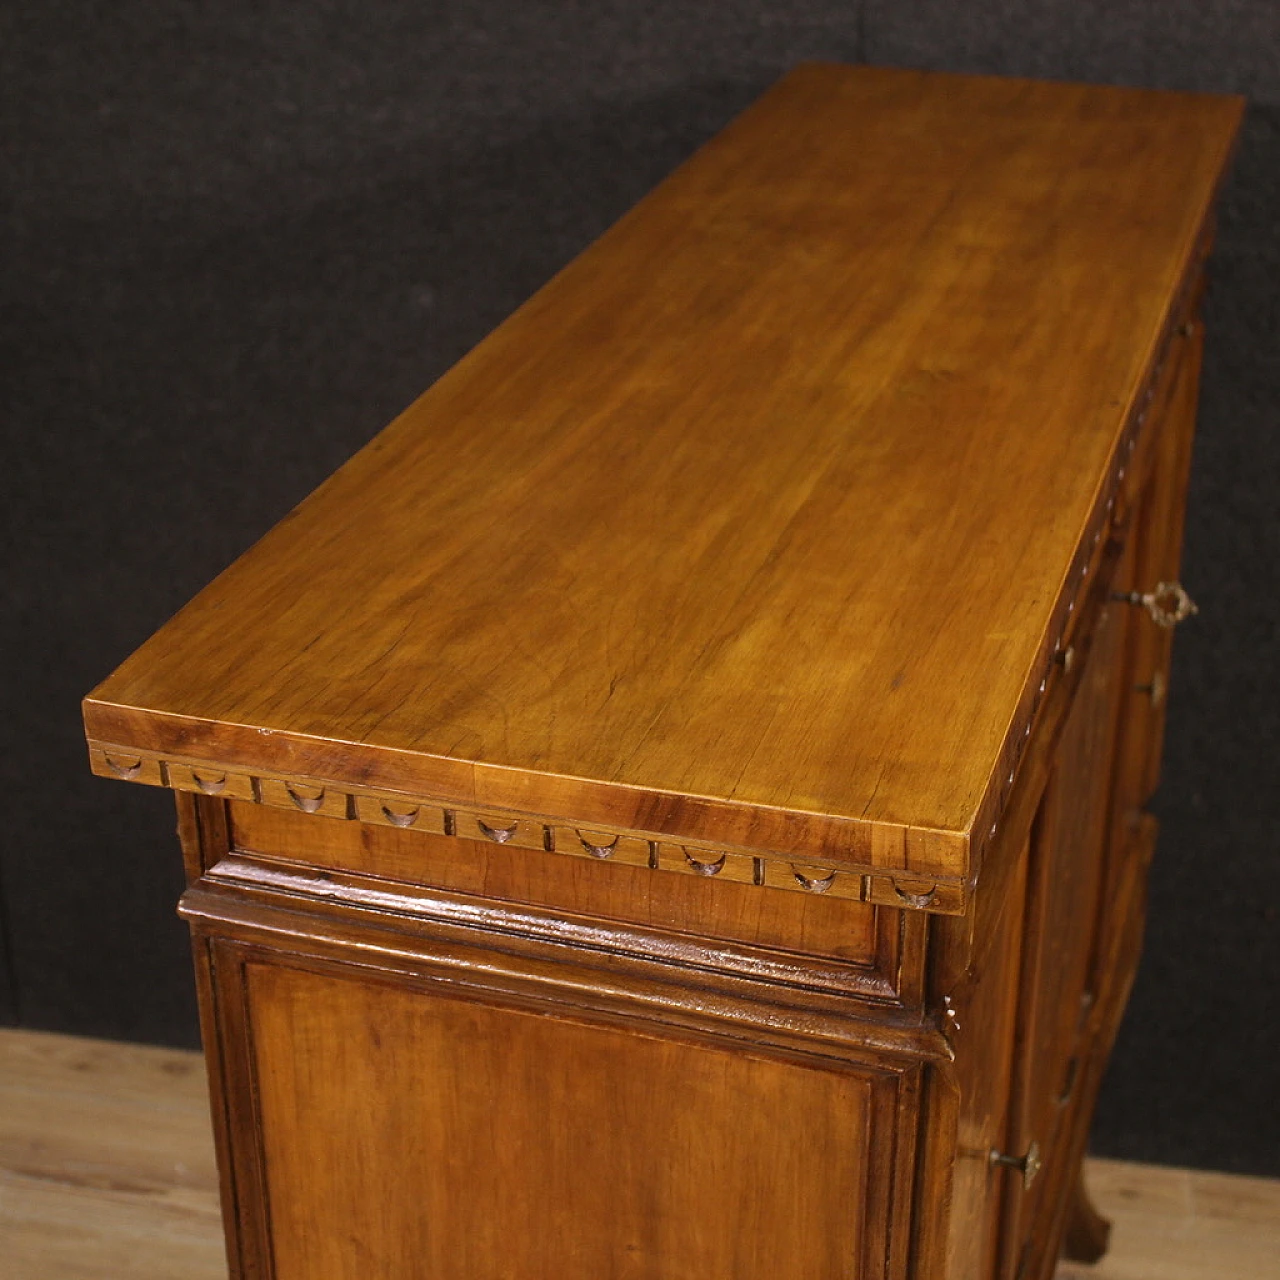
(760, 525)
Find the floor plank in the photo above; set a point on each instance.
(106, 1162)
(1183, 1224)
(107, 1173)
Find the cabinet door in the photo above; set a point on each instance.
(1143, 697)
(1091, 844)
(1065, 876)
(384, 1126)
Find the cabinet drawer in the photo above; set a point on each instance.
(859, 946)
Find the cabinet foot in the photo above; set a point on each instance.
(1088, 1233)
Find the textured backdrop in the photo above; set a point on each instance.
(241, 236)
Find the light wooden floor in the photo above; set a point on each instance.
(106, 1173)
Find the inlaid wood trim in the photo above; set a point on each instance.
(544, 834)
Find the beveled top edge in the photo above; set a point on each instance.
(706, 820)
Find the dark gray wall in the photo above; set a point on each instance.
(242, 236)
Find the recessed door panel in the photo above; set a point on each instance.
(405, 1134)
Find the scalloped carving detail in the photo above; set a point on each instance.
(499, 835)
(308, 804)
(401, 819)
(917, 900)
(814, 884)
(601, 851)
(125, 771)
(704, 868)
(633, 848)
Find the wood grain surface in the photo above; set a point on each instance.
(652, 1158)
(752, 523)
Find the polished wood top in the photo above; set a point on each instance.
(751, 525)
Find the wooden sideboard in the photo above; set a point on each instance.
(672, 807)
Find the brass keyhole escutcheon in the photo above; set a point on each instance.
(1168, 604)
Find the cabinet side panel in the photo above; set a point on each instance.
(412, 1135)
(984, 1039)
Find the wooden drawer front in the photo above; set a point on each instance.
(859, 936)
(406, 1133)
